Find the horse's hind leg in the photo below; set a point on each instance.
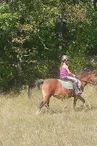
(46, 98)
(40, 107)
(45, 102)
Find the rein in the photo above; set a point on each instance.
(84, 81)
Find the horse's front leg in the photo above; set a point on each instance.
(74, 102)
(83, 101)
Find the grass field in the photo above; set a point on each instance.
(20, 126)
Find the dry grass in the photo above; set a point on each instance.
(19, 125)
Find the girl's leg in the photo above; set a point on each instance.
(75, 83)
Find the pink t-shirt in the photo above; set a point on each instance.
(63, 72)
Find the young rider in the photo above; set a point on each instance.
(65, 73)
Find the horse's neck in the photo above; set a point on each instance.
(84, 80)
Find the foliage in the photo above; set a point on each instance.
(8, 26)
(34, 35)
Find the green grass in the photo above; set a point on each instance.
(20, 126)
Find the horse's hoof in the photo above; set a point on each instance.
(86, 109)
(89, 106)
(37, 113)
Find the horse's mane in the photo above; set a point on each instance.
(84, 73)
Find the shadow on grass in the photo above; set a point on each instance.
(12, 92)
(89, 108)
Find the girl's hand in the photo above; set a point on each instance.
(73, 75)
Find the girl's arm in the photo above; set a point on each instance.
(70, 73)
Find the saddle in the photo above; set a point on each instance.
(66, 83)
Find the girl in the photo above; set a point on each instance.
(66, 74)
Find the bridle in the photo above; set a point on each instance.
(88, 82)
(94, 83)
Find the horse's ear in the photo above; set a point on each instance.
(95, 71)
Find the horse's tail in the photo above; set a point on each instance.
(37, 83)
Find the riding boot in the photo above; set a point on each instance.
(75, 88)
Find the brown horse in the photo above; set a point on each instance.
(53, 87)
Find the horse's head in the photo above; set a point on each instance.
(88, 77)
(92, 77)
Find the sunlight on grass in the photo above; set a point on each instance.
(19, 125)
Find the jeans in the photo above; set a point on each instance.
(75, 83)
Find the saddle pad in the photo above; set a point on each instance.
(66, 84)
